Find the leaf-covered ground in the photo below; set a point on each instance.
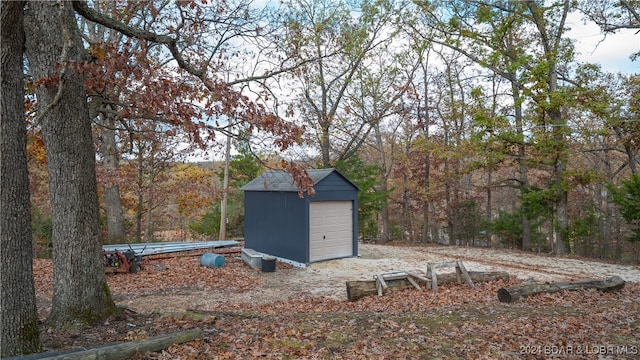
(242, 317)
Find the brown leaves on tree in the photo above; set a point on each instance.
(178, 79)
(300, 177)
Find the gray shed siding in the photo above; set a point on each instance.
(274, 224)
(277, 222)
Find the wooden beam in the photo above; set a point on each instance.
(381, 285)
(460, 271)
(413, 282)
(434, 277)
(465, 274)
(419, 277)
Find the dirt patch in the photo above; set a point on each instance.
(328, 278)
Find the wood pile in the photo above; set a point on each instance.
(359, 289)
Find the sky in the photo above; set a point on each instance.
(612, 53)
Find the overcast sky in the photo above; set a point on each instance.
(612, 52)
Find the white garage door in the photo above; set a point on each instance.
(330, 230)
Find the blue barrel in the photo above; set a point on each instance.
(212, 260)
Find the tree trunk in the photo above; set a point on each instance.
(325, 142)
(487, 236)
(426, 121)
(140, 189)
(80, 291)
(550, 41)
(522, 167)
(148, 228)
(447, 199)
(112, 199)
(604, 198)
(360, 289)
(225, 191)
(426, 234)
(20, 329)
(512, 294)
(562, 204)
(406, 226)
(115, 217)
(628, 150)
(384, 211)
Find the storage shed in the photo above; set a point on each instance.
(303, 230)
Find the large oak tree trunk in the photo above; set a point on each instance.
(19, 330)
(80, 291)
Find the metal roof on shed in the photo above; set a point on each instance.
(280, 180)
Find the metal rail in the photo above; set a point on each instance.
(169, 247)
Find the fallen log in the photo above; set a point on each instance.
(514, 293)
(119, 351)
(362, 288)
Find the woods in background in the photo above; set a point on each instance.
(481, 129)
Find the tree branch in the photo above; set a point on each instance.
(83, 9)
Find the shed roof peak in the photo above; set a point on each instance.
(281, 180)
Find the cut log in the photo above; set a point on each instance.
(120, 351)
(512, 294)
(360, 289)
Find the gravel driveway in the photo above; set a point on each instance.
(328, 277)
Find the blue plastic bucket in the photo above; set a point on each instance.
(212, 260)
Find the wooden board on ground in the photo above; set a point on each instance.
(512, 294)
